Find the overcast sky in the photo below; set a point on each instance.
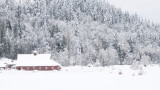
(149, 9)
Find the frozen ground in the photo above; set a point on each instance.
(83, 78)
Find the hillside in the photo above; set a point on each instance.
(77, 32)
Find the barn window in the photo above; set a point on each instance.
(33, 68)
(39, 68)
(27, 68)
(46, 68)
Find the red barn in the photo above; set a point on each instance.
(36, 62)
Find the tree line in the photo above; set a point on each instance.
(77, 32)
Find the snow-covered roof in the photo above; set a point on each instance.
(2, 64)
(32, 60)
(6, 61)
(34, 51)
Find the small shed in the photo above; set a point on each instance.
(10, 64)
(36, 62)
(7, 63)
(2, 65)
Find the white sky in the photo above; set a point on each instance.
(149, 9)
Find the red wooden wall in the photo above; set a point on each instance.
(41, 68)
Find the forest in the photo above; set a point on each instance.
(77, 32)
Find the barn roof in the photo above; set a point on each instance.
(35, 60)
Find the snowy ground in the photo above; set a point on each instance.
(83, 78)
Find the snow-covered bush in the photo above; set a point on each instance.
(97, 63)
(120, 73)
(145, 60)
(90, 65)
(135, 65)
(140, 72)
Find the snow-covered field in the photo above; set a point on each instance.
(83, 78)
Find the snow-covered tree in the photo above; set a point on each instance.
(83, 31)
